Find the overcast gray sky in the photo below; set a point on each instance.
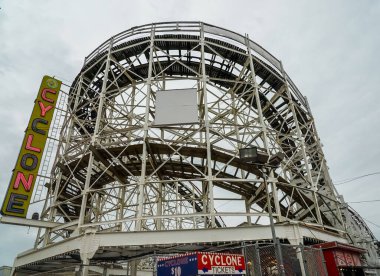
(329, 48)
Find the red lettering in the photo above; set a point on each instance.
(29, 142)
(27, 184)
(44, 109)
(43, 94)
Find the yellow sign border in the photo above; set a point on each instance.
(20, 189)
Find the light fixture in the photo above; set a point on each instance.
(253, 155)
(35, 216)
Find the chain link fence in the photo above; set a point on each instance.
(263, 260)
(314, 261)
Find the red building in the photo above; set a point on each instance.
(342, 259)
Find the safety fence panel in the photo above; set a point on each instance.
(314, 262)
(268, 260)
(252, 259)
(262, 260)
(291, 258)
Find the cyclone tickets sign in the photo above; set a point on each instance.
(202, 263)
(20, 189)
(220, 264)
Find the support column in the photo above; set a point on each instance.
(159, 206)
(257, 96)
(130, 121)
(325, 169)
(258, 261)
(276, 242)
(298, 241)
(140, 207)
(248, 210)
(303, 147)
(210, 191)
(263, 126)
(301, 259)
(133, 268)
(88, 247)
(86, 188)
(120, 210)
(85, 266)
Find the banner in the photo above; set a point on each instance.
(202, 263)
(20, 190)
(220, 264)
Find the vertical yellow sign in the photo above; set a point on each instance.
(20, 190)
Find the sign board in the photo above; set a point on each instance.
(20, 189)
(346, 258)
(202, 263)
(175, 107)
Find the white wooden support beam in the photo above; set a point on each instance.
(29, 222)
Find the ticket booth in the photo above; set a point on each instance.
(342, 259)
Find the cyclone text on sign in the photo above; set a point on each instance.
(20, 189)
(202, 263)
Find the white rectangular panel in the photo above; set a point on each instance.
(174, 107)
